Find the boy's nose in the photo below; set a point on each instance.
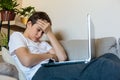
(40, 33)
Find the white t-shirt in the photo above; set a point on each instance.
(17, 40)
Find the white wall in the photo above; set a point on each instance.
(69, 16)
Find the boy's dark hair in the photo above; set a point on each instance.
(39, 15)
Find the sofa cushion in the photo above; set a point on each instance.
(119, 47)
(7, 58)
(8, 70)
(106, 45)
(76, 49)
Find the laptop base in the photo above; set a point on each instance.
(62, 63)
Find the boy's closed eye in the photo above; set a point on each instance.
(39, 29)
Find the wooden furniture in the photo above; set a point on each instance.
(12, 25)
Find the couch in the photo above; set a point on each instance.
(75, 49)
(4, 77)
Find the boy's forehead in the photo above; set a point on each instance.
(38, 26)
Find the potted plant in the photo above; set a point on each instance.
(8, 9)
(25, 13)
(3, 39)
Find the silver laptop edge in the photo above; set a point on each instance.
(91, 39)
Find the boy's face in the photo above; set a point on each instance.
(35, 32)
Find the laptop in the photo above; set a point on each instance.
(90, 44)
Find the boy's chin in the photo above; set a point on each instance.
(37, 40)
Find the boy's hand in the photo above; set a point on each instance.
(54, 57)
(44, 25)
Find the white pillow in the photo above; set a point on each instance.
(6, 56)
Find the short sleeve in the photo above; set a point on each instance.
(16, 41)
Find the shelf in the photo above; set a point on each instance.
(6, 22)
(14, 25)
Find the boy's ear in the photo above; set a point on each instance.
(29, 23)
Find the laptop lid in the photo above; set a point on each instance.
(91, 38)
(86, 47)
